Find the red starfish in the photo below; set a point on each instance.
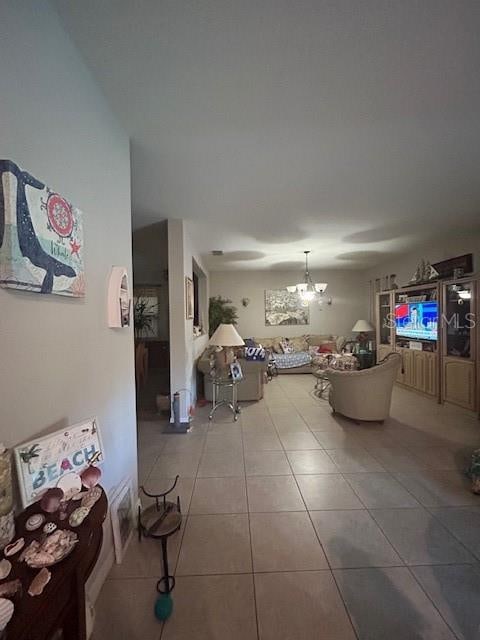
(74, 247)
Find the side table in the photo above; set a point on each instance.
(366, 359)
(219, 387)
(322, 383)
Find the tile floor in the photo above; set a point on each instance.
(301, 525)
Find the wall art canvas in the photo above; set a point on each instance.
(284, 308)
(42, 462)
(41, 236)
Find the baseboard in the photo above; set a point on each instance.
(99, 575)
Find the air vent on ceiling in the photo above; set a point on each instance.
(217, 252)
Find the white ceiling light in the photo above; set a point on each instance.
(308, 290)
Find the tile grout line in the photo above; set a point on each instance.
(184, 525)
(249, 531)
(321, 546)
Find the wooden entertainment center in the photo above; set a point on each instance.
(447, 367)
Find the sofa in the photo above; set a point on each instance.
(249, 388)
(304, 350)
(365, 394)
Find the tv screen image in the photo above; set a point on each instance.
(417, 320)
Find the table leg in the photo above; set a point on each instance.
(214, 400)
(166, 578)
(235, 405)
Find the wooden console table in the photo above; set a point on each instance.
(59, 612)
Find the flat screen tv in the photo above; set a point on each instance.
(417, 320)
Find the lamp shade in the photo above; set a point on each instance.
(226, 336)
(362, 326)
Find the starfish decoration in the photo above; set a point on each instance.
(74, 247)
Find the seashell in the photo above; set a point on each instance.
(41, 559)
(6, 612)
(51, 500)
(52, 549)
(49, 528)
(28, 549)
(91, 476)
(39, 582)
(34, 521)
(13, 548)
(91, 497)
(78, 516)
(70, 484)
(5, 568)
(11, 588)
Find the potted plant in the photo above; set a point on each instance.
(221, 311)
(144, 312)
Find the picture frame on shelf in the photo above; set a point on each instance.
(236, 371)
(123, 517)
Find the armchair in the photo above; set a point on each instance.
(365, 394)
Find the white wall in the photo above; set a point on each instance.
(184, 347)
(347, 288)
(60, 363)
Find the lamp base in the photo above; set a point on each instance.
(224, 358)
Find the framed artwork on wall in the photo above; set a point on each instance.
(284, 308)
(189, 301)
(122, 511)
(41, 236)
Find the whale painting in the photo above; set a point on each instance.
(41, 236)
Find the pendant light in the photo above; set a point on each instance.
(308, 290)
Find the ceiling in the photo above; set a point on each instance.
(348, 128)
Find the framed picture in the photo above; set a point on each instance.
(41, 463)
(123, 516)
(236, 371)
(42, 233)
(284, 308)
(189, 302)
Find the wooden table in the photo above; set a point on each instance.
(61, 606)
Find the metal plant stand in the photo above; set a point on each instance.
(161, 520)
(219, 384)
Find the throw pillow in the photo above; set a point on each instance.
(328, 347)
(299, 344)
(264, 342)
(287, 347)
(272, 344)
(277, 344)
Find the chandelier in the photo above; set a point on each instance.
(308, 290)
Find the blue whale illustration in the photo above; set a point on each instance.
(27, 239)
